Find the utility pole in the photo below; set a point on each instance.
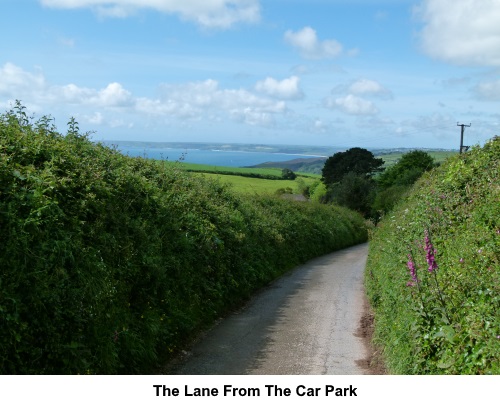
(462, 147)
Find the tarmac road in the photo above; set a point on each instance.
(304, 323)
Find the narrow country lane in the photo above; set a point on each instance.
(304, 323)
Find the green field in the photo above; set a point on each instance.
(194, 167)
(248, 185)
(439, 156)
(240, 179)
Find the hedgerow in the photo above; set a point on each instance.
(433, 272)
(109, 264)
(237, 173)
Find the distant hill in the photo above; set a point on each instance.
(310, 150)
(315, 165)
(303, 165)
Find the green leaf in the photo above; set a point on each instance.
(446, 363)
(18, 175)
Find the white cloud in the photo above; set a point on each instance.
(16, 82)
(186, 102)
(363, 87)
(113, 95)
(284, 89)
(120, 123)
(465, 32)
(488, 91)
(372, 87)
(439, 125)
(319, 126)
(309, 46)
(353, 101)
(94, 119)
(251, 117)
(73, 94)
(192, 100)
(207, 13)
(352, 105)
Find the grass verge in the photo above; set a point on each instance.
(433, 272)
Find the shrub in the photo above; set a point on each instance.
(288, 174)
(317, 192)
(407, 170)
(354, 191)
(110, 263)
(386, 199)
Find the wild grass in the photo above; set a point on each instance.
(196, 167)
(433, 272)
(255, 186)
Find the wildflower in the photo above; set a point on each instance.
(413, 271)
(430, 252)
(461, 260)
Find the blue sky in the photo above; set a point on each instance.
(369, 73)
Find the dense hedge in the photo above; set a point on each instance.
(433, 272)
(109, 263)
(235, 173)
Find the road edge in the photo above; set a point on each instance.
(373, 364)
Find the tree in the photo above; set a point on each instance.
(395, 181)
(354, 191)
(287, 174)
(355, 160)
(386, 199)
(407, 170)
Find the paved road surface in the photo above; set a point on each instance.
(304, 323)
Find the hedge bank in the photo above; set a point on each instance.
(109, 264)
(433, 272)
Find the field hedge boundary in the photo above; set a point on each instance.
(109, 264)
(234, 173)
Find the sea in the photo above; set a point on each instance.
(211, 157)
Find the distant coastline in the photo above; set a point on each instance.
(237, 155)
(306, 150)
(241, 155)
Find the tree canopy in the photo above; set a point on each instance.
(407, 170)
(355, 191)
(288, 174)
(355, 160)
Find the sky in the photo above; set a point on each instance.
(341, 73)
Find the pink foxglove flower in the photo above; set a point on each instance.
(430, 253)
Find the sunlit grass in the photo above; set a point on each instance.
(249, 185)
